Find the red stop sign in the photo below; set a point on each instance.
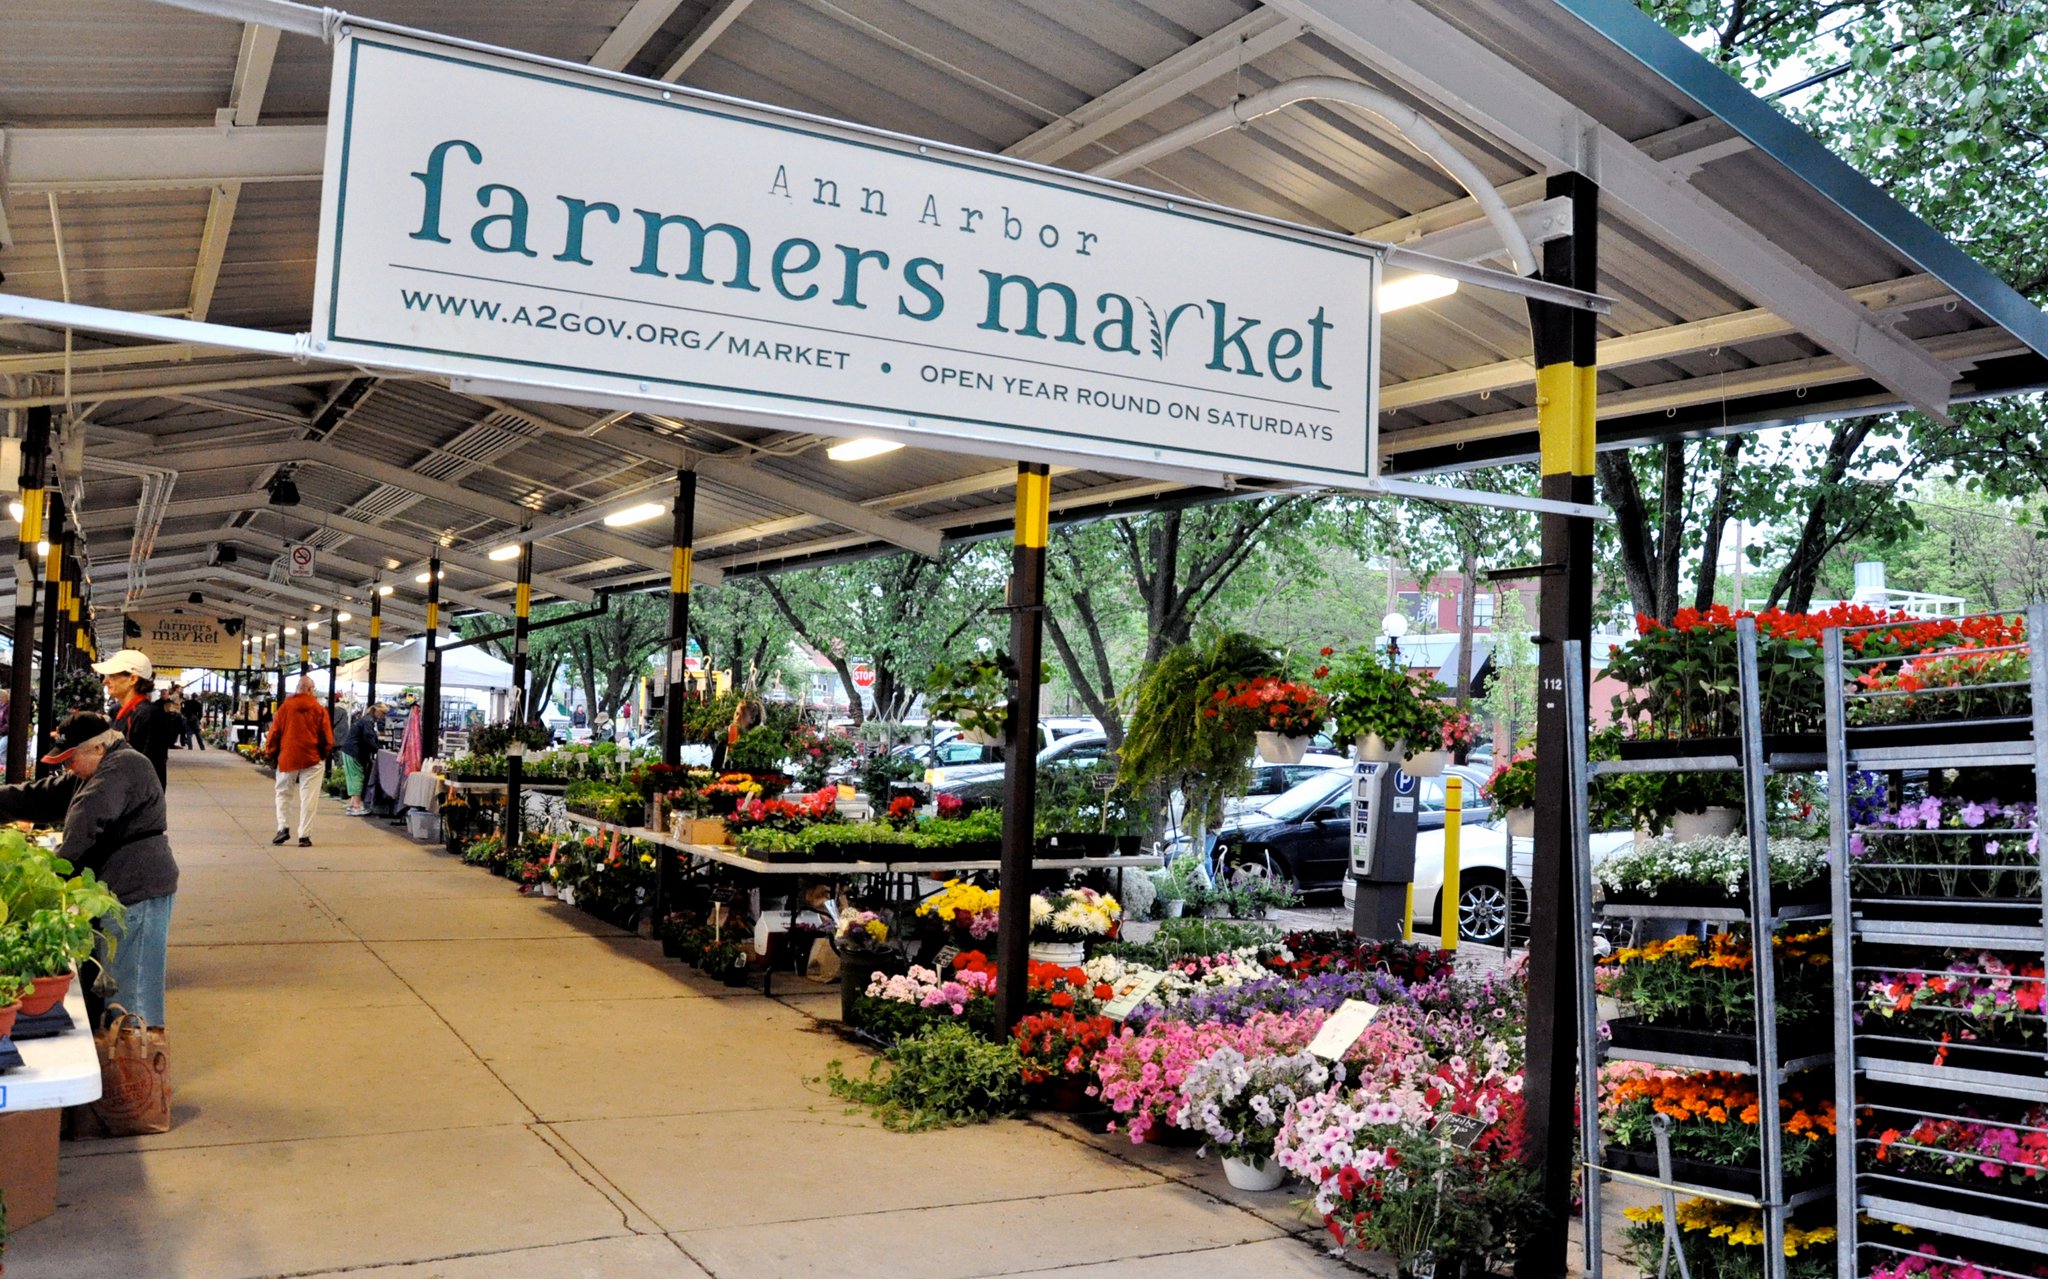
(863, 675)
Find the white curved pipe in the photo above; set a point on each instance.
(1405, 120)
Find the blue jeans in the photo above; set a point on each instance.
(137, 968)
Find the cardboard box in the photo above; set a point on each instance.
(707, 830)
(28, 1164)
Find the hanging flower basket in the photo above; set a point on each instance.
(1276, 748)
(1374, 749)
(1427, 764)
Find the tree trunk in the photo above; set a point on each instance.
(1717, 521)
(1796, 580)
(1468, 605)
(1631, 527)
(1671, 533)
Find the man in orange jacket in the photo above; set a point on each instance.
(301, 738)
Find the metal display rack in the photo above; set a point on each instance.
(2017, 921)
(1748, 758)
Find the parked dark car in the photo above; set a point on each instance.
(1304, 836)
(983, 783)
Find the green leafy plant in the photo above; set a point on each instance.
(1177, 734)
(497, 739)
(12, 988)
(973, 694)
(944, 1076)
(1371, 692)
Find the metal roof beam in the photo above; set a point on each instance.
(716, 20)
(738, 473)
(1253, 36)
(1892, 298)
(632, 33)
(58, 159)
(1429, 56)
(230, 583)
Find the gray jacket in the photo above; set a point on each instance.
(113, 824)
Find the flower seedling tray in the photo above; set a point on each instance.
(1813, 895)
(1697, 1172)
(2015, 1205)
(2007, 1059)
(1794, 1042)
(1950, 732)
(1710, 747)
(1994, 911)
(44, 1025)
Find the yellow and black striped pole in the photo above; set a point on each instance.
(515, 756)
(53, 575)
(430, 682)
(333, 657)
(21, 707)
(1020, 748)
(682, 541)
(376, 635)
(305, 648)
(682, 544)
(1566, 356)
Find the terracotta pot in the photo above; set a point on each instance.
(7, 1016)
(48, 993)
(1276, 749)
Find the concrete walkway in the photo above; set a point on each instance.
(388, 1063)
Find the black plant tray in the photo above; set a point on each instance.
(10, 1057)
(1702, 747)
(1698, 1172)
(1794, 1042)
(1813, 894)
(2007, 1203)
(2023, 1060)
(44, 1025)
(1953, 732)
(1068, 843)
(2025, 912)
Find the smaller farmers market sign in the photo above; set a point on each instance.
(606, 239)
(185, 639)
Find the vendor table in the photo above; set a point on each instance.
(719, 854)
(63, 1070)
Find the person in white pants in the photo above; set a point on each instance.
(301, 739)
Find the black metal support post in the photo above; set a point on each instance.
(21, 728)
(376, 635)
(682, 536)
(53, 577)
(1565, 366)
(515, 761)
(430, 696)
(1020, 755)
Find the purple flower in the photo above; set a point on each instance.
(1972, 815)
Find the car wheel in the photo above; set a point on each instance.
(1482, 910)
(1262, 862)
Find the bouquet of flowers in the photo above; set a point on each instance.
(1270, 705)
(726, 794)
(964, 906)
(1708, 985)
(1723, 1241)
(861, 930)
(1237, 1102)
(1057, 1045)
(1073, 914)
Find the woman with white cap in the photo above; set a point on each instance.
(130, 679)
(112, 810)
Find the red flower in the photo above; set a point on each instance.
(1327, 652)
(1061, 999)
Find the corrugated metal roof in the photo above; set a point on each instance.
(988, 74)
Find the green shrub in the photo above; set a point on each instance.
(945, 1077)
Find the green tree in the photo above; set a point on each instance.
(608, 654)
(546, 650)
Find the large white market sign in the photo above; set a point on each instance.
(606, 239)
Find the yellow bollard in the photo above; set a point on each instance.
(1408, 915)
(1454, 814)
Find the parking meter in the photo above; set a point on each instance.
(1382, 849)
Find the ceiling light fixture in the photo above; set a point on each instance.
(508, 552)
(291, 630)
(43, 548)
(634, 515)
(384, 590)
(344, 617)
(861, 449)
(15, 510)
(424, 578)
(1413, 290)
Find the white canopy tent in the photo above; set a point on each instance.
(401, 664)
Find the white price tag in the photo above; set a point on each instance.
(1126, 1003)
(1343, 1029)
